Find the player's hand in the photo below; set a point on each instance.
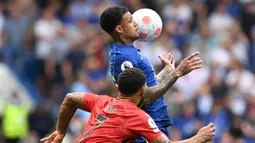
(55, 137)
(206, 133)
(192, 62)
(168, 60)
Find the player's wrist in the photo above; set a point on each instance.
(169, 68)
(177, 73)
(61, 131)
(196, 139)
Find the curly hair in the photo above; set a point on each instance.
(130, 81)
(111, 17)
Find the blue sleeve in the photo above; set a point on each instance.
(120, 62)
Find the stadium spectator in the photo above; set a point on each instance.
(15, 119)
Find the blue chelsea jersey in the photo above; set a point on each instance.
(127, 56)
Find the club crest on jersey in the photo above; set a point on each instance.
(153, 125)
(111, 108)
(126, 65)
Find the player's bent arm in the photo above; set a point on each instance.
(155, 92)
(71, 103)
(161, 75)
(205, 134)
(169, 78)
(163, 139)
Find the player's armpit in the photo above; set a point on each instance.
(161, 139)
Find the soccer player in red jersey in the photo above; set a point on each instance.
(117, 120)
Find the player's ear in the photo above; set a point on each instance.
(118, 29)
(142, 91)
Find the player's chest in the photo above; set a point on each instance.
(145, 64)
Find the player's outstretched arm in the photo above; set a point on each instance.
(205, 134)
(168, 78)
(71, 103)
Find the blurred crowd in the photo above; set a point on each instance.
(59, 46)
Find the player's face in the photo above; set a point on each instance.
(129, 27)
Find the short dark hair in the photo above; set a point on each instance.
(111, 17)
(130, 81)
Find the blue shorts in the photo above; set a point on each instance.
(143, 140)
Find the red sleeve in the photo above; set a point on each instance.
(89, 100)
(145, 126)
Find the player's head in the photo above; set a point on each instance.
(131, 82)
(118, 22)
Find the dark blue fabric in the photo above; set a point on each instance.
(123, 53)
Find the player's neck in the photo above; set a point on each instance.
(123, 41)
(130, 99)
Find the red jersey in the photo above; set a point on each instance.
(116, 121)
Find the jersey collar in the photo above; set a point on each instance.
(124, 46)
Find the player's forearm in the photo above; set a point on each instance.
(161, 74)
(155, 92)
(72, 102)
(164, 139)
(190, 140)
(66, 113)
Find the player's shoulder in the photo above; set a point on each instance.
(143, 114)
(95, 96)
(123, 50)
(134, 111)
(103, 100)
(105, 97)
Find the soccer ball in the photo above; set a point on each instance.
(149, 24)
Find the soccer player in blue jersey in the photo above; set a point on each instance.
(118, 23)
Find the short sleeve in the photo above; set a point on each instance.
(89, 100)
(145, 126)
